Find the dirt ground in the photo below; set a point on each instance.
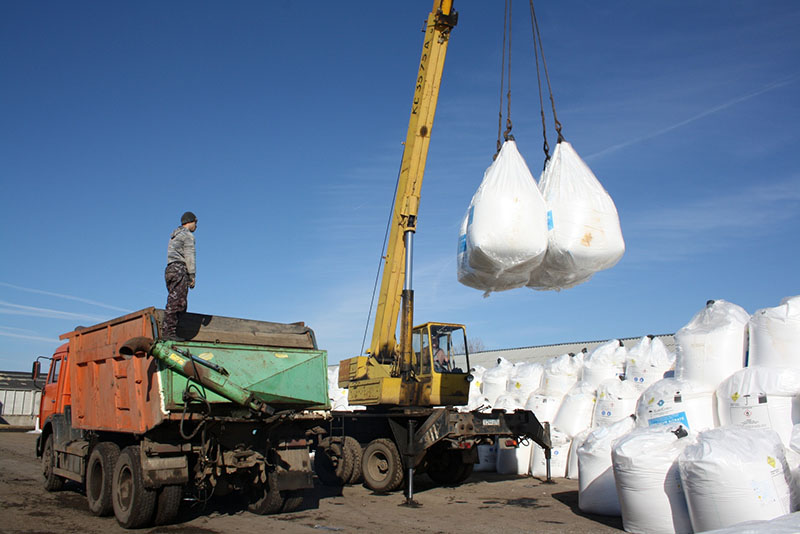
(486, 503)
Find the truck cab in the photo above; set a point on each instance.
(56, 391)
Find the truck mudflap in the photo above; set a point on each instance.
(447, 423)
(160, 471)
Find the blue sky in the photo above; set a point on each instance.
(280, 125)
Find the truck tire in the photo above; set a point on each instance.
(52, 482)
(167, 504)
(333, 462)
(446, 468)
(100, 477)
(265, 498)
(357, 453)
(293, 500)
(467, 469)
(134, 504)
(382, 466)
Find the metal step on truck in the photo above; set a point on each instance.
(144, 423)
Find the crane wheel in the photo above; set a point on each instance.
(294, 498)
(168, 504)
(357, 454)
(52, 482)
(333, 461)
(266, 498)
(382, 466)
(134, 504)
(100, 478)
(447, 468)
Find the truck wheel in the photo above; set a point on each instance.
(382, 466)
(466, 472)
(52, 482)
(357, 452)
(447, 468)
(100, 477)
(333, 462)
(168, 504)
(265, 498)
(294, 498)
(133, 503)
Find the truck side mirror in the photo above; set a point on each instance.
(37, 368)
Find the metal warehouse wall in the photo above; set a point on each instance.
(19, 399)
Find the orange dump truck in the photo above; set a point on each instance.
(144, 422)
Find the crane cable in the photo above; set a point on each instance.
(506, 135)
(537, 51)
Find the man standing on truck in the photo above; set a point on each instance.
(179, 273)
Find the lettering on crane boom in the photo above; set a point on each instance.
(420, 78)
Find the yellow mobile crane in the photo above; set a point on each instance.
(411, 387)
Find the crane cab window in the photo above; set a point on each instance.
(421, 344)
(448, 349)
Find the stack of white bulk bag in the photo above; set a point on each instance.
(504, 234)
(337, 395)
(734, 474)
(597, 492)
(487, 458)
(616, 399)
(494, 380)
(712, 346)
(544, 407)
(572, 462)
(559, 456)
(476, 398)
(671, 400)
(582, 221)
(507, 402)
(560, 374)
(513, 458)
(761, 397)
(525, 378)
(785, 524)
(604, 362)
(576, 410)
(647, 362)
(648, 480)
(775, 335)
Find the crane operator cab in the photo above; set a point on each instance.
(442, 362)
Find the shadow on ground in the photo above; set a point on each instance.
(570, 498)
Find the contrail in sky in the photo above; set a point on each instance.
(62, 296)
(35, 338)
(18, 309)
(715, 109)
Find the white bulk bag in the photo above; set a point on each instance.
(504, 234)
(572, 462)
(559, 455)
(712, 346)
(584, 234)
(487, 458)
(616, 399)
(671, 400)
(525, 378)
(785, 524)
(597, 493)
(576, 410)
(604, 362)
(494, 380)
(734, 474)
(513, 460)
(775, 335)
(761, 397)
(647, 362)
(648, 480)
(560, 374)
(543, 407)
(508, 403)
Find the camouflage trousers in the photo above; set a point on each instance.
(178, 286)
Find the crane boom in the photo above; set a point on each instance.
(406, 205)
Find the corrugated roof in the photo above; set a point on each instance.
(17, 380)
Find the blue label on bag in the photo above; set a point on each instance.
(462, 243)
(679, 417)
(549, 220)
(471, 215)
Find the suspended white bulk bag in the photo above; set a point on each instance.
(576, 410)
(671, 400)
(647, 362)
(504, 234)
(559, 456)
(494, 380)
(597, 493)
(487, 458)
(761, 397)
(775, 335)
(560, 374)
(584, 232)
(604, 362)
(572, 461)
(525, 378)
(734, 474)
(712, 346)
(648, 480)
(616, 399)
(513, 459)
(543, 407)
